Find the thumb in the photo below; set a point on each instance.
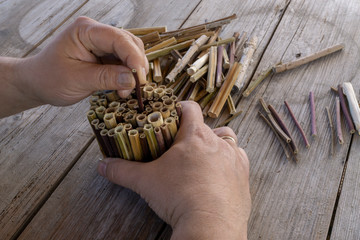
(109, 77)
(122, 172)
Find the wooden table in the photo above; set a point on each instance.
(49, 185)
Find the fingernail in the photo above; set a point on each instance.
(124, 93)
(142, 76)
(126, 80)
(102, 168)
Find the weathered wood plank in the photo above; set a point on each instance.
(295, 201)
(87, 206)
(29, 181)
(347, 219)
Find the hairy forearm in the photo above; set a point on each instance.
(15, 93)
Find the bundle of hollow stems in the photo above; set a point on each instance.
(198, 64)
(138, 128)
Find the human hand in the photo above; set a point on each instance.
(200, 186)
(68, 69)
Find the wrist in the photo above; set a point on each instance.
(209, 227)
(16, 88)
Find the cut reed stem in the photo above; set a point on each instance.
(338, 121)
(345, 110)
(312, 114)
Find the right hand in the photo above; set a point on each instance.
(200, 186)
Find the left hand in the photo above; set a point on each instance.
(68, 69)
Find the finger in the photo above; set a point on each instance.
(191, 114)
(106, 77)
(227, 134)
(103, 39)
(122, 172)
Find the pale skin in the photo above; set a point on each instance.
(200, 186)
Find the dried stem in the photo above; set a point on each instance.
(240, 46)
(229, 119)
(281, 123)
(218, 43)
(150, 37)
(273, 122)
(276, 134)
(198, 64)
(313, 114)
(138, 90)
(353, 104)
(290, 65)
(245, 62)
(345, 110)
(157, 71)
(231, 105)
(307, 144)
(135, 144)
(338, 121)
(226, 64)
(201, 72)
(224, 91)
(146, 30)
(186, 58)
(212, 70)
(165, 51)
(257, 81)
(161, 45)
(220, 50)
(211, 40)
(331, 129)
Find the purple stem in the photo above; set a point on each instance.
(138, 91)
(220, 51)
(298, 125)
(338, 121)
(313, 117)
(345, 109)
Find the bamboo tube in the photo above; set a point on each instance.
(157, 77)
(114, 145)
(135, 144)
(102, 102)
(170, 122)
(110, 120)
(257, 81)
(245, 62)
(93, 107)
(114, 104)
(91, 115)
(218, 43)
(110, 110)
(167, 135)
(180, 85)
(165, 51)
(169, 92)
(93, 100)
(132, 103)
(159, 92)
(170, 104)
(224, 91)
(198, 64)
(231, 105)
(184, 32)
(200, 95)
(194, 92)
(226, 64)
(155, 119)
(160, 140)
(157, 106)
(165, 112)
(150, 37)
(146, 30)
(184, 90)
(112, 96)
(127, 127)
(195, 36)
(207, 99)
(141, 120)
(211, 40)
(345, 109)
(100, 111)
(186, 58)
(148, 92)
(312, 57)
(109, 150)
(165, 97)
(124, 143)
(144, 147)
(167, 43)
(173, 98)
(95, 127)
(206, 108)
(130, 118)
(210, 87)
(178, 108)
(218, 80)
(353, 104)
(331, 129)
(233, 49)
(201, 72)
(151, 140)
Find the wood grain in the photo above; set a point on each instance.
(295, 201)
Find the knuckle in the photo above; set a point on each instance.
(105, 78)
